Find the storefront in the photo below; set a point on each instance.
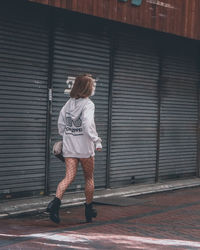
(154, 108)
(146, 100)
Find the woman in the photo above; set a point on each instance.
(77, 127)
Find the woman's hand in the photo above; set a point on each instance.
(98, 146)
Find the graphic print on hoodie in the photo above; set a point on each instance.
(73, 127)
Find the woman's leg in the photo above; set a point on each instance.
(71, 169)
(54, 206)
(88, 169)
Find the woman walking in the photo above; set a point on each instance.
(77, 127)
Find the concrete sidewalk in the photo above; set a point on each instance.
(33, 204)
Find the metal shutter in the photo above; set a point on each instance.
(78, 50)
(23, 98)
(179, 109)
(134, 109)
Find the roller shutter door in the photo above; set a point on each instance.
(23, 99)
(179, 110)
(134, 109)
(80, 50)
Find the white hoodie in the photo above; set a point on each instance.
(77, 127)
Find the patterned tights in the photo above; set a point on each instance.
(71, 169)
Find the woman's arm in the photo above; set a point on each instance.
(61, 122)
(89, 124)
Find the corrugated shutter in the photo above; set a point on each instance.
(134, 109)
(78, 50)
(179, 109)
(23, 98)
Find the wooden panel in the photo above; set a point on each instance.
(178, 17)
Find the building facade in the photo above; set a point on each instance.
(147, 97)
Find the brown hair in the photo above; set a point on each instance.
(82, 87)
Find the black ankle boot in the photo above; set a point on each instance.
(90, 212)
(53, 210)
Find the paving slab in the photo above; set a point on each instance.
(160, 221)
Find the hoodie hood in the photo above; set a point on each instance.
(75, 107)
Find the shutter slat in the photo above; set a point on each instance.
(75, 53)
(179, 112)
(23, 99)
(134, 111)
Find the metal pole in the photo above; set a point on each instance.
(109, 136)
(198, 128)
(159, 113)
(49, 104)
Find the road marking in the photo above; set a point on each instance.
(51, 236)
(115, 239)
